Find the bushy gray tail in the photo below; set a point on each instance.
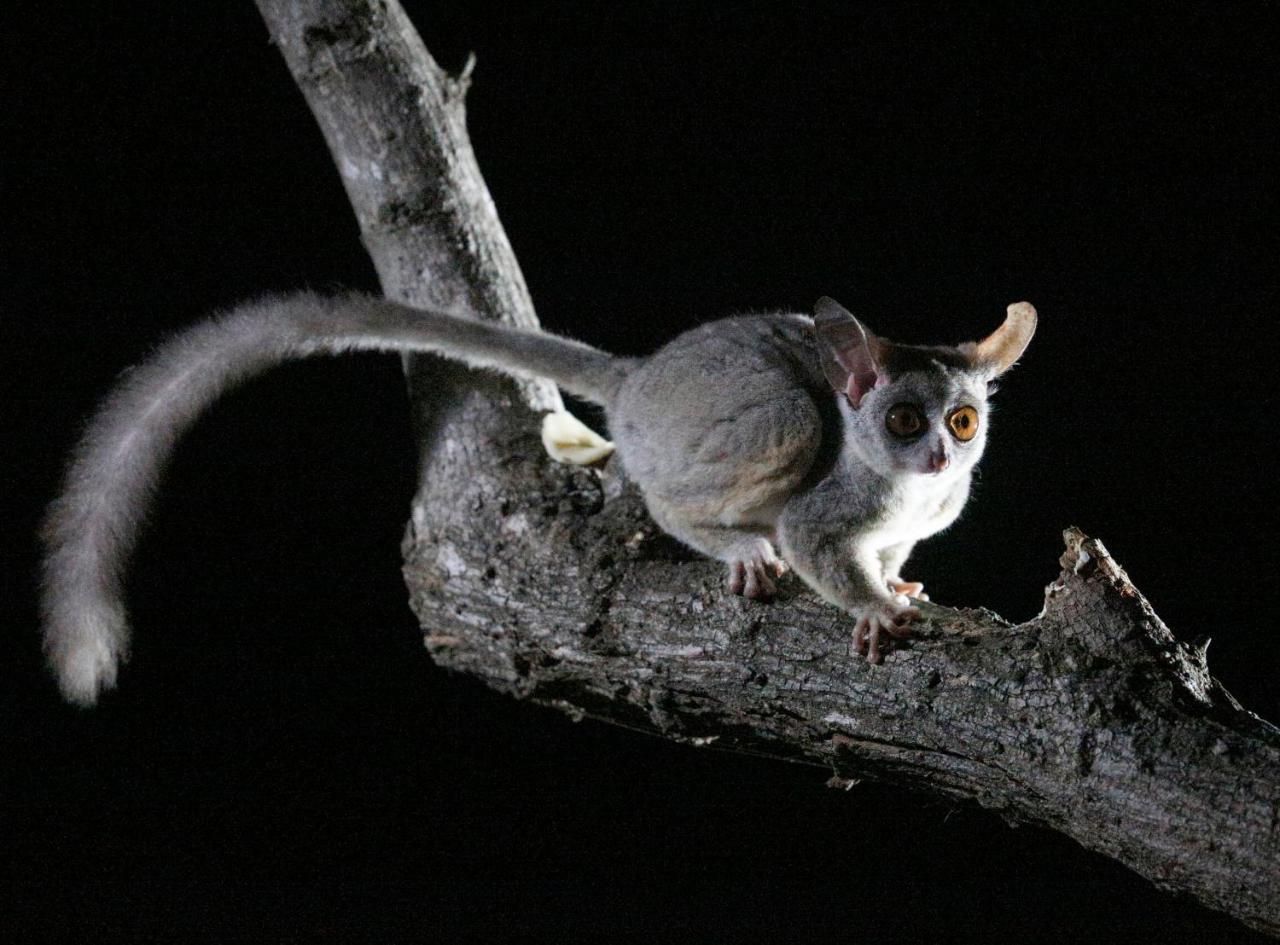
(91, 528)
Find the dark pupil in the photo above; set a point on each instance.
(962, 421)
(904, 420)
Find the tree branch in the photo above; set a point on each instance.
(551, 584)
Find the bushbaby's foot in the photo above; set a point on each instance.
(890, 617)
(907, 588)
(752, 573)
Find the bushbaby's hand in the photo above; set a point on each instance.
(882, 617)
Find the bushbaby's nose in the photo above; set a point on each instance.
(939, 461)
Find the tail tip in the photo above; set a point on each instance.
(85, 664)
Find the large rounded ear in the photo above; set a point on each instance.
(999, 350)
(850, 354)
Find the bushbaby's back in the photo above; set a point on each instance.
(723, 422)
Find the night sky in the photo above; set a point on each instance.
(283, 762)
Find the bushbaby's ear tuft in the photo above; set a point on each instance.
(999, 350)
(851, 355)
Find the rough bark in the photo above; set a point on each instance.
(551, 584)
(395, 123)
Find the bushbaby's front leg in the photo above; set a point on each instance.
(850, 576)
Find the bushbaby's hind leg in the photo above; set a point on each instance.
(753, 563)
(753, 567)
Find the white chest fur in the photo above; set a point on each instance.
(916, 507)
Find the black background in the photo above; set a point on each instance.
(283, 762)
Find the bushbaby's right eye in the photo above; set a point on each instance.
(904, 421)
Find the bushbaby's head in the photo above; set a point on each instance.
(912, 409)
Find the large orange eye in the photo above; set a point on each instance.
(904, 420)
(963, 423)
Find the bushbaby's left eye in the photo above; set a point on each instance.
(963, 423)
(904, 421)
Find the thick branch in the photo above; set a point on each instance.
(1090, 719)
(551, 583)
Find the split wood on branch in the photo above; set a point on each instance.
(551, 584)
